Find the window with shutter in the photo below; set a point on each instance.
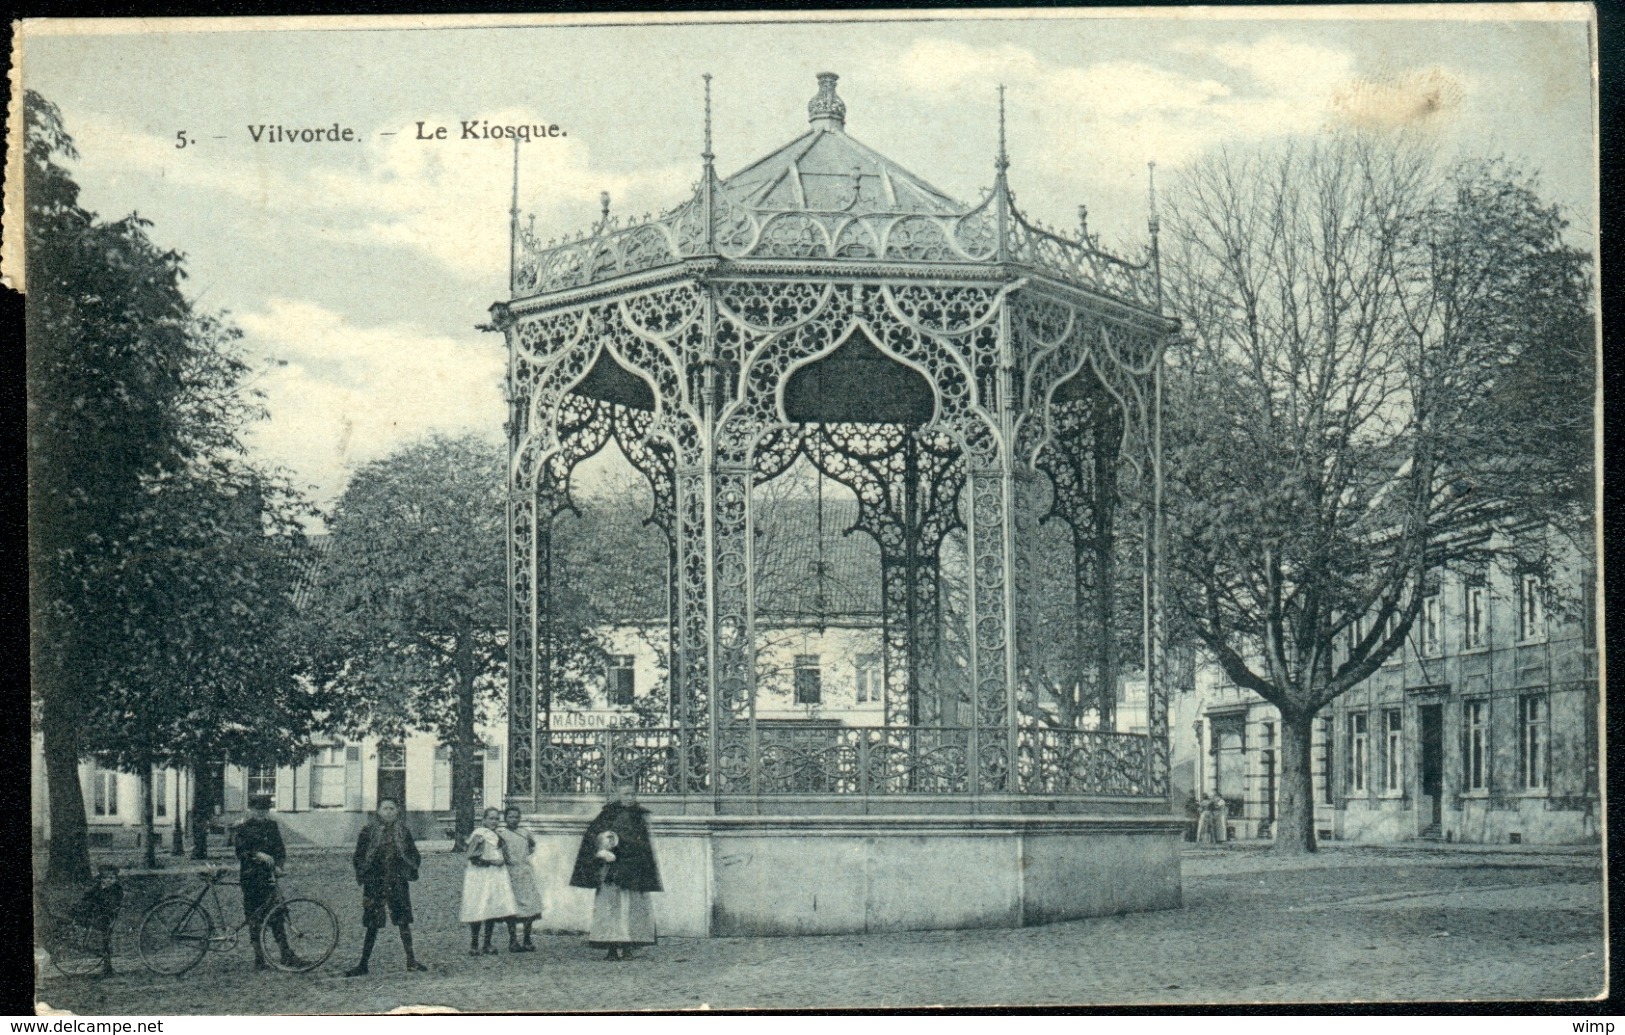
(327, 778)
(809, 680)
(622, 680)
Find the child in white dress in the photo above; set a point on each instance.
(487, 894)
(520, 845)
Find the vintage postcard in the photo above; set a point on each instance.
(798, 512)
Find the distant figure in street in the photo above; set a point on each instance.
(1193, 816)
(1214, 813)
(386, 859)
(1204, 821)
(260, 855)
(519, 843)
(617, 860)
(487, 892)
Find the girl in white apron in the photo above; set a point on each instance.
(487, 894)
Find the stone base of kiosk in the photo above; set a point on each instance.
(741, 876)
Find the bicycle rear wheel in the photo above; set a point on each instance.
(175, 934)
(75, 948)
(311, 930)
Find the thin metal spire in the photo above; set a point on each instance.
(1151, 191)
(707, 155)
(1001, 190)
(513, 225)
(1002, 162)
(708, 178)
(1154, 224)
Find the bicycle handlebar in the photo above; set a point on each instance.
(220, 874)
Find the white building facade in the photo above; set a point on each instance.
(1483, 729)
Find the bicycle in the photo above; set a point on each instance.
(77, 948)
(79, 938)
(179, 929)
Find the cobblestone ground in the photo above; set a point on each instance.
(1352, 923)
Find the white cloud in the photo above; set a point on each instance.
(1285, 67)
(1131, 111)
(1086, 130)
(347, 394)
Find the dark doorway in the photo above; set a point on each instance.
(392, 773)
(1230, 762)
(1430, 721)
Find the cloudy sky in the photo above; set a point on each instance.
(363, 268)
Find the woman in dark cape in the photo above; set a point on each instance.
(617, 860)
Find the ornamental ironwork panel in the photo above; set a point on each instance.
(633, 249)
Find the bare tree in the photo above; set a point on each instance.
(1333, 435)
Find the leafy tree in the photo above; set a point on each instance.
(204, 673)
(407, 625)
(161, 563)
(1336, 427)
(111, 344)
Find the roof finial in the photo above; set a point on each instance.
(707, 155)
(825, 110)
(603, 203)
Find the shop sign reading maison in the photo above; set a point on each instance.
(592, 720)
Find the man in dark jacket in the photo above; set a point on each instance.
(386, 859)
(617, 860)
(260, 855)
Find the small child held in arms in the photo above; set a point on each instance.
(487, 892)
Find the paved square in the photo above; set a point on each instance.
(1351, 923)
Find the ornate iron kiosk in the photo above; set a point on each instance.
(970, 377)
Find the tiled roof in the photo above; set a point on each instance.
(806, 569)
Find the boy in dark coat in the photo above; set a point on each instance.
(617, 860)
(386, 859)
(260, 855)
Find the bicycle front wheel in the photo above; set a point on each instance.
(309, 932)
(175, 934)
(75, 948)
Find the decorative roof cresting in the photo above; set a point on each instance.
(826, 196)
(826, 110)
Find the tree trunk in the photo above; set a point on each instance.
(462, 753)
(1295, 822)
(149, 830)
(177, 843)
(202, 808)
(68, 854)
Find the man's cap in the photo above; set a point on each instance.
(260, 801)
